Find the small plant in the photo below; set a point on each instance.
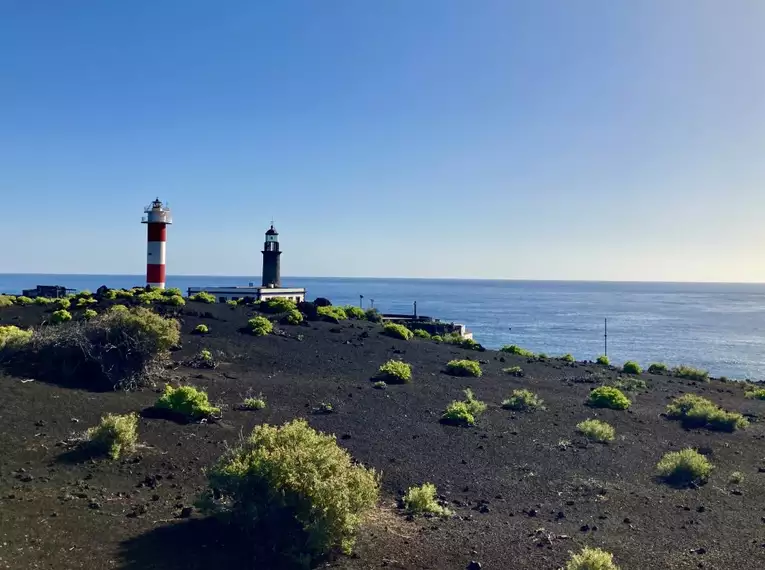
(232, 303)
(12, 336)
(421, 333)
(657, 368)
(695, 411)
(395, 372)
(173, 300)
(278, 305)
(6, 300)
(380, 385)
(685, 466)
(592, 559)
(523, 401)
(373, 315)
(596, 430)
(397, 331)
(43, 301)
(324, 408)
(260, 326)
(203, 297)
(463, 368)
(60, 316)
(331, 313)
(691, 373)
(353, 312)
(295, 489)
(124, 294)
(293, 317)
(203, 360)
(187, 401)
(118, 309)
(114, 435)
(464, 412)
(629, 384)
(88, 314)
(516, 371)
(437, 338)
(755, 393)
(201, 329)
(63, 303)
(608, 397)
(603, 360)
(736, 478)
(422, 501)
(631, 367)
(172, 292)
(257, 403)
(568, 358)
(542, 356)
(23, 301)
(517, 350)
(83, 302)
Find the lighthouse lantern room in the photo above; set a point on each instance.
(157, 218)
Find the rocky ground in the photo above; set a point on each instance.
(524, 487)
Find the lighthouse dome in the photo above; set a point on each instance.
(272, 231)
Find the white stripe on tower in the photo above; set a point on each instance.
(155, 255)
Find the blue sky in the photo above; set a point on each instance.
(543, 139)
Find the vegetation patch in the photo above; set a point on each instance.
(331, 314)
(254, 403)
(629, 384)
(603, 360)
(517, 350)
(23, 301)
(631, 367)
(463, 412)
(751, 393)
(691, 373)
(608, 397)
(173, 300)
(397, 331)
(201, 329)
(83, 302)
(203, 297)
(421, 333)
(657, 368)
(695, 411)
(293, 317)
(186, 402)
(523, 401)
(353, 312)
(373, 315)
(12, 336)
(437, 338)
(114, 436)
(592, 559)
(260, 326)
(294, 489)
(6, 300)
(683, 467)
(596, 430)
(422, 501)
(516, 371)
(89, 314)
(568, 358)
(278, 305)
(43, 301)
(380, 385)
(394, 372)
(60, 316)
(463, 368)
(63, 303)
(203, 359)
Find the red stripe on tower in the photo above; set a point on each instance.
(157, 219)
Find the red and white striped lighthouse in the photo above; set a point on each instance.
(157, 219)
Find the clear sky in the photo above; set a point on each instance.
(540, 139)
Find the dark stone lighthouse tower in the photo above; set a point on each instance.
(272, 276)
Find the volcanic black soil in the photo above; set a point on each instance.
(525, 489)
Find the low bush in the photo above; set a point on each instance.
(422, 501)
(354, 312)
(592, 559)
(395, 372)
(523, 401)
(254, 403)
(603, 360)
(568, 358)
(437, 338)
(293, 317)
(397, 331)
(657, 368)
(203, 297)
(596, 430)
(89, 314)
(23, 301)
(463, 368)
(12, 336)
(172, 292)
(295, 490)
(517, 350)
(691, 373)
(188, 402)
(463, 412)
(516, 371)
(84, 294)
(420, 333)
(124, 294)
(43, 301)
(232, 303)
(201, 329)
(631, 367)
(60, 316)
(695, 411)
(380, 385)
(118, 309)
(114, 436)
(324, 408)
(173, 300)
(83, 302)
(608, 397)
(6, 300)
(331, 314)
(260, 326)
(63, 303)
(736, 478)
(629, 384)
(373, 315)
(755, 393)
(685, 466)
(278, 305)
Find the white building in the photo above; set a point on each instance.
(223, 294)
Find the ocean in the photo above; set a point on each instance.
(719, 327)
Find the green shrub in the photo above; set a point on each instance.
(420, 333)
(691, 373)
(523, 401)
(542, 356)
(278, 305)
(257, 403)
(260, 326)
(517, 350)
(6, 300)
(118, 309)
(124, 294)
(395, 372)
(608, 397)
(695, 411)
(205, 355)
(568, 358)
(188, 402)
(355, 312)
(380, 385)
(331, 313)
(89, 314)
(463, 368)
(114, 436)
(596, 430)
(631, 367)
(603, 360)
(755, 393)
(468, 343)
(83, 302)
(293, 317)
(84, 294)
(684, 466)
(173, 300)
(629, 384)
(12, 336)
(437, 338)
(422, 501)
(294, 489)
(172, 292)
(373, 315)
(23, 301)
(150, 297)
(736, 478)
(397, 331)
(464, 412)
(592, 559)
(201, 329)
(516, 371)
(43, 301)
(657, 368)
(203, 297)
(60, 316)
(63, 303)
(232, 303)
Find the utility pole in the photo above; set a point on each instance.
(373, 302)
(605, 336)
(361, 301)
(415, 310)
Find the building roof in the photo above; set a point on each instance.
(272, 231)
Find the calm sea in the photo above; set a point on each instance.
(720, 327)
